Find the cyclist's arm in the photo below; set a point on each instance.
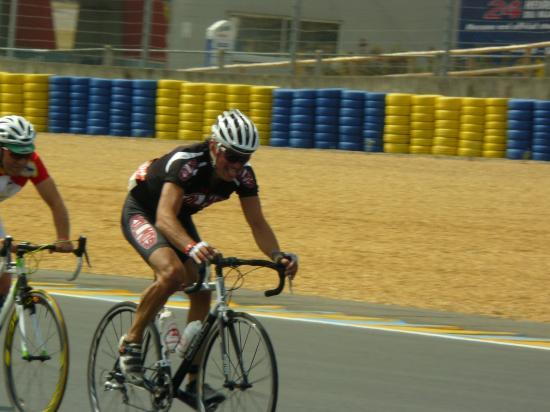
(49, 193)
(167, 222)
(261, 230)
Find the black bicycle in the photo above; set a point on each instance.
(237, 359)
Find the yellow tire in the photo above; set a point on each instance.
(496, 117)
(168, 94)
(166, 118)
(191, 116)
(166, 127)
(169, 110)
(398, 99)
(186, 125)
(215, 105)
(470, 127)
(192, 98)
(495, 134)
(496, 110)
(444, 150)
(493, 153)
(468, 118)
(396, 138)
(429, 110)
(238, 98)
(497, 101)
(193, 88)
(448, 103)
(168, 84)
(422, 125)
(422, 134)
(473, 101)
(424, 99)
(445, 141)
(13, 78)
(11, 97)
(447, 124)
(396, 147)
(191, 108)
(238, 89)
(264, 98)
(262, 90)
(36, 87)
(260, 120)
(452, 133)
(422, 142)
(473, 110)
(189, 135)
(474, 136)
(260, 113)
(216, 88)
(36, 78)
(397, 120)
(168, 101)
(496, 125)
(420, 149)
(466, 152)
(422, 117)
(398, 110)
(470, 144)
(495, 139)
(397, 129)
(496, 147)
(33, 111)
(35, 96)
(441, 114)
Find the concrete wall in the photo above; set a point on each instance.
(514, 87)
(392, 25)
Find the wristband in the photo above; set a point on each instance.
(188, 248)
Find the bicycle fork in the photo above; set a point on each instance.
(40, 343)
(227, 364)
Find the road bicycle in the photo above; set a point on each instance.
(36, 346)
(236, 356)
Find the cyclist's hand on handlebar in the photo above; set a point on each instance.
(290, 262)
(64, 246)
(200, 252)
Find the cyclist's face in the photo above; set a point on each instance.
(229, 163)
(14, 163)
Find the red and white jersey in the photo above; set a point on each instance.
(35, 171)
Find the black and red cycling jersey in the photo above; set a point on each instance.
(191, 168)
(35, 171)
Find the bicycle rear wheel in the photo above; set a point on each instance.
(36, 354)
(251, 383)
(107, 388)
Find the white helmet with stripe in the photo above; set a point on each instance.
(236, 131)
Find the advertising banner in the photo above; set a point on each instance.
(501, 22)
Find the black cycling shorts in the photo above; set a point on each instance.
(138, 226)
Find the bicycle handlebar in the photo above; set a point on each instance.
(220, 262)
(25, 247)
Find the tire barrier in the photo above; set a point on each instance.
(373, 126)
(520, 129)
(191, 111)
(167, 109)
(79, 88)
(59, 103)
(302, 118)
(120, 113)
(496, 117)
(99, 106)
(397, 129)
(280, 117)
(330, 118)
(472, 127)
(35, 100)
(261, 104)
(11, 94)
(422, 123)
(143, 108)
(540, 149)
(447, 126)
(327, 118)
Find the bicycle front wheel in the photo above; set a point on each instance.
(239, 363)
(107, 387)
(36, 354)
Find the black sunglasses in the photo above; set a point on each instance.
(19, 156)
(234, 157)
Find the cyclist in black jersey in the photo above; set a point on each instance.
(157, 220)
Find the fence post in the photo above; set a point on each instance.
(295, 34)
(146, 35)
(12, 26)
(108, 55)
(547, 65)
(318, 62)
(221, 58)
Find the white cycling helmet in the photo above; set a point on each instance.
(17, 134)
(236, 131)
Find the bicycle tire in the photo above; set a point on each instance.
(107, 388)
(47, 353)
(247, 340)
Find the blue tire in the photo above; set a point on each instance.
(300, 143)
(278, 142)
(321, 144)
(327, 111)
(351, 146)
(330, 93)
